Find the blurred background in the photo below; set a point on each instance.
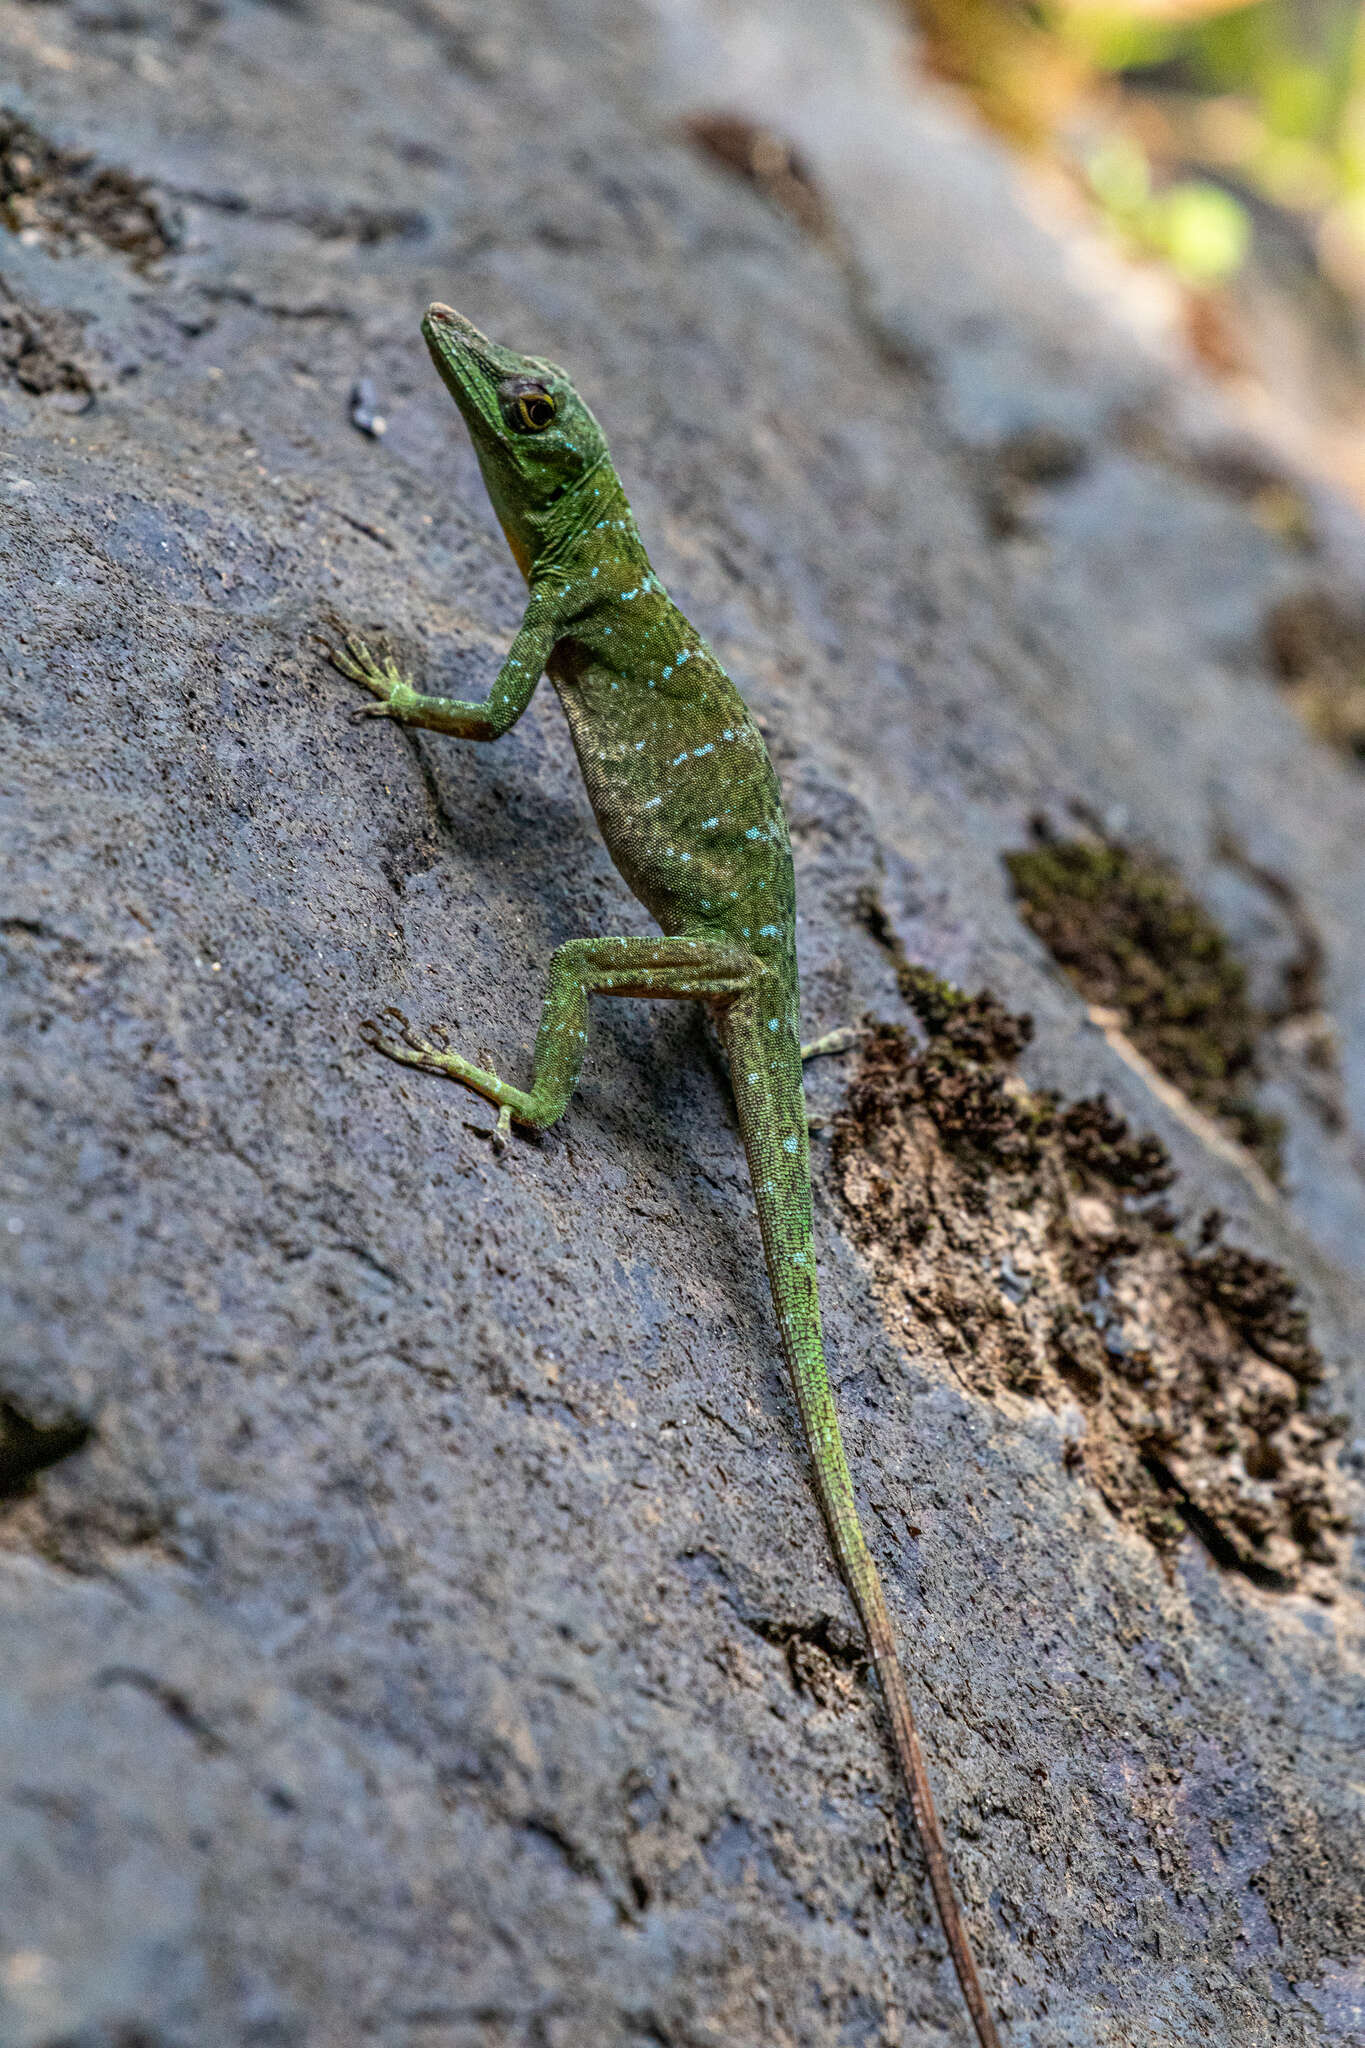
(1221, 144)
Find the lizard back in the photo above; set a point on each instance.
(676, 770)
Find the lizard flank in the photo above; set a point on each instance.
(690, 810)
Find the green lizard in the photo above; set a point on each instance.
(690, 810)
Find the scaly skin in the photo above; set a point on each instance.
(691, 814)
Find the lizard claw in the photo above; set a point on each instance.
(403, 1033)
(351, 658)
(373, 1032)
(380, 674)
(406, 1031)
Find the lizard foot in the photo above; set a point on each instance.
(435, 1055)
(407, 1046)
(381, 676)
(842, 1040)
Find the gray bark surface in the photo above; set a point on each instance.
(420, 1631)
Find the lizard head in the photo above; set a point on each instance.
(534, 436)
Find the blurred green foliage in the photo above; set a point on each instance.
(1181, 115)
(1201, 229)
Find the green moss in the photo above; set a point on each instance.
(1131, 937)
(978, 1028)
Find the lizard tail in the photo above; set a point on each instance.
(770, 1097)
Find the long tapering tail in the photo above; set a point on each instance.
(770, 1096)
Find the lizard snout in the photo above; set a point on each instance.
(446, 317)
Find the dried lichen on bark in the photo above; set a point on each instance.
(62, 199)
(43, 351)
(1029, 1241)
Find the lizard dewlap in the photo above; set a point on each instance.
(691, 813)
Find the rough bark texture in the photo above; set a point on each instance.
(418, 1629)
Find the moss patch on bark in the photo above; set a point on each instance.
(1128, 933)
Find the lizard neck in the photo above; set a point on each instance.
(596, 503)
(540, 538)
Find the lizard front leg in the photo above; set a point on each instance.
(698, 970)
(400, 699)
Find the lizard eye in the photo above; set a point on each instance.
(535, 410)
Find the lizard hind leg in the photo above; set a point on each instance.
(696, 970)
